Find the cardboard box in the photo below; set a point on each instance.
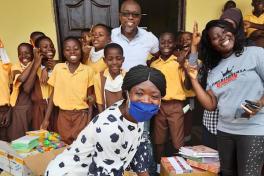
(168, 170)
(32, 165)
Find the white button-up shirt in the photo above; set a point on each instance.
(137, 50)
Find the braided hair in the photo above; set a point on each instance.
(139, 74)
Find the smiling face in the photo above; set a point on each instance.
(47, 48)
(145, 92)
(25, 54)
(186, 41)
(222, 41)
(100, 37)
(114, 60)
(72, 51)
(167, 45)
(130, 16)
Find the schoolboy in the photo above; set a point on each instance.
(170, 117)
(107, 84)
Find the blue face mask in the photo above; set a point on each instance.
(142, 112)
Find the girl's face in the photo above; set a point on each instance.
(221, 40)
(114, 60)
(47, 48)
(186, 41)
(72, 51)
(100, 38)
(145, 92)
(25, 54)
(167, 45)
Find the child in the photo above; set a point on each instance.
(34, 36)
(228, 5)
(170, 117)
(72, 83)
(100, 37)
(39, 75)
(5, 110)
(20, 96)
(258, 38)
(255, 20)
(107, 84)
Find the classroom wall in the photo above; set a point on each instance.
(19, 18)
(203, 11)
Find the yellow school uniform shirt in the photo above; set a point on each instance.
(4, 83)
(46, 89)
(98, 66)
(174, 77)
(254, 19)
(16, 84)
(70, 89)
(98, 86)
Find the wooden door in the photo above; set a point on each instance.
(74, 15)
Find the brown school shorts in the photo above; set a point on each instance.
(170, 119)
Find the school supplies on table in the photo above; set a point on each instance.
(198, 151)
(25, 143)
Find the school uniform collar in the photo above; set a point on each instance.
(106, 73)
(171, 58)
(80, 68)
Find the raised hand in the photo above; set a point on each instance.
(191, 70)
(196, 37)
(37, 56)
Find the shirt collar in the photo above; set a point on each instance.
(106, 73)
(79, 69)
(138, 34)
(171, 58)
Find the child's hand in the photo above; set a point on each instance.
(196, 37)
(191, 70)
(181, 58)
(5, 121)
(44, 76)
(51, 63)
(37, 56)
(44, 125)
(247, 25)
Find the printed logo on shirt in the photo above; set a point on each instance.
(228, 76)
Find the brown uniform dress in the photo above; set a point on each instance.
(21, 116)
(5, 112)
(39, 108)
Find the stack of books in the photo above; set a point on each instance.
(201, 157)
(176, 165)
(25, 143)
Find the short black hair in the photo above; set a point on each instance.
(108, 29)
(170, 33)
(37, 42)
(27, 45)
(111, 46)
(229, 4)
(36, 33)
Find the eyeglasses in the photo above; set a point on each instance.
(127, 14)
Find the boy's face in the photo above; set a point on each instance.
(186, 41)
(72, 51)
(167, 44)
(100, 37)
(25, 54)
(258, 5)
(47, 48)
(114, 60)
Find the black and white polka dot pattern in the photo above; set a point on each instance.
(105, 147)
